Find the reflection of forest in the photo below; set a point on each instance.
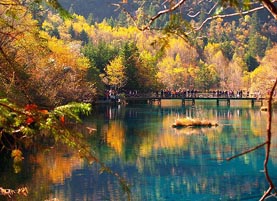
(52, 167)
(40, 171)
(142, 141)
(141, 131)
(139, 143)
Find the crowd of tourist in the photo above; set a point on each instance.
(181, 93)
(196, 93)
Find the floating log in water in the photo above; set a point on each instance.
(189, 122)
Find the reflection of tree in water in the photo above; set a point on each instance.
(149, 120)
(151, 146)
(42, 170)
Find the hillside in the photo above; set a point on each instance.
(105, 8)
(99, 9)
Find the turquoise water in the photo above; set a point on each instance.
(161, 163)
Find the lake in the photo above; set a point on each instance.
(160, 163)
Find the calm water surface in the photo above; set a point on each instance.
(159, 162)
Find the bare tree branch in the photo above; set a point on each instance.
(210, 11)
(268, 146)
(127, 13)
(227, 15)
(267, 143)
(265, 4)
(152, 19)
(192, 15)
(265, 195)
(247, 151)
(270, 7)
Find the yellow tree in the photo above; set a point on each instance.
(171, 72)
(115, 75)
(60, 75)
(147, 70)
(264, 76)
(187, 53)
(18, 45)
(215, 56)
(234, 80)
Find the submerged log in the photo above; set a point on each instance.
(189, 122)
(264, 108)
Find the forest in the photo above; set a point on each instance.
(227, 53)
(54, 63)
(64, 59)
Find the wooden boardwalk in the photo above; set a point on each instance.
(192, 100)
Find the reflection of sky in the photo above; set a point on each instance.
(162, 163)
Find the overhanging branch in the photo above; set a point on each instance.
(269, 5)
(153, 18)
(227, 15)
(247, 151)
(162, 12)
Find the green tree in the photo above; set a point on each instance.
(130, 55)
(90, 19)
(206, 77)
(100, 54)
(111, 21)
(56, 33)
(72, 32)
(147, 72)
(84, 37)
(251, 62)
(122, 20)
(227, 49)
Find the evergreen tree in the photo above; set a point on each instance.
(56, 33)
(71, 10)
(151, 12)
(256, 47)
(122, 20)
(129, 53)
(227, 49)
(100, 54)
(251, 62)
(84, 37)
(269, 44)
(207, 77)
(111, 22)
(254, 24)
(71, 31)
(90, 19)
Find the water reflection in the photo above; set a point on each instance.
(40, 171)
(161, 162)
(171, 163)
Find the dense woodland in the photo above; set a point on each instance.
(49, 58)
(60, 60)
(226, 54)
